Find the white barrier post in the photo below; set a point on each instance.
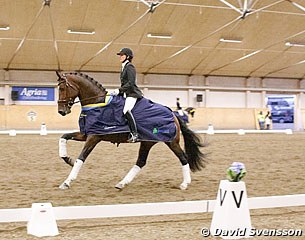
(43, 129)
(231, 217)
(42, 222)
(210, 129)
(241, 132)
(12, 132)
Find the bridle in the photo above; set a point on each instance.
(68, 100)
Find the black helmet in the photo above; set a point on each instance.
(127, 51)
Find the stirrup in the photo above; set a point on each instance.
(133, 138)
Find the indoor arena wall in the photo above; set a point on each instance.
(225, 102)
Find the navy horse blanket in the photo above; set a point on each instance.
(155, 122)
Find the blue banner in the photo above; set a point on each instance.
(34, 93)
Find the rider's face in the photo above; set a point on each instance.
(122, 58)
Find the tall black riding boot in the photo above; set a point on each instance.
(132, 126)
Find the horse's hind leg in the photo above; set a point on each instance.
(133, 172)
(175, 147)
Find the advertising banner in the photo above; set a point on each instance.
(34, 93)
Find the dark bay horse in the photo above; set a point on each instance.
(89, 91)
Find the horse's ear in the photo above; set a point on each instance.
(58, 74)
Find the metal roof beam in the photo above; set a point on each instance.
(53, 36)
(121, 33)
(193, 44)
(297, 5)
(231, 6)
(254, 52)
(25, 36)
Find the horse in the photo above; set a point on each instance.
(89, 92)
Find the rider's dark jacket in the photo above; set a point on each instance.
(128, 82)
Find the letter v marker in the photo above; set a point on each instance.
(240, 198)
(222, 198)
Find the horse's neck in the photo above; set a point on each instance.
(89, 93)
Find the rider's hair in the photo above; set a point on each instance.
(129, 58)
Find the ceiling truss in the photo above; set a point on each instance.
(245, 12)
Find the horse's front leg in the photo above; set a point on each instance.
(76, 136)
(133, 172)
(90, 143)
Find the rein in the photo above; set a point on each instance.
(80, 101)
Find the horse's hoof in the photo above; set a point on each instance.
(183, 186)
(64, 186)
(120, 186)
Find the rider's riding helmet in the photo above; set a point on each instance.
(126, 51)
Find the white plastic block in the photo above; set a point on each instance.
(231, 217)
(42, 222)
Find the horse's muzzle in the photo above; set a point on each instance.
(64, 112)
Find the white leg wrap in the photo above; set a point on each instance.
(186, 176)
(186, 173)
(73, 174)
(63, 147)
(133, 172)
(75, 170)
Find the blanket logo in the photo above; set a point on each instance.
(156, 130)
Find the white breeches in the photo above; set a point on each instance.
(129, 104)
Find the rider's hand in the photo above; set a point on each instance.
(115, 92)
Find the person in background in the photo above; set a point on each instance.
(178, 104)
(129, 89)
(268, 120)
(261, 120)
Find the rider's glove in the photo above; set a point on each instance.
(115, 92)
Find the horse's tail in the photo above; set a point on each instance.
(192, 144)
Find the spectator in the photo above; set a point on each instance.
(268, 120)
(178, 104)
(261, 120)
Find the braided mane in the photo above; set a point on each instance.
(92, 80)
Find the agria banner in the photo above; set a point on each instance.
(34, 93)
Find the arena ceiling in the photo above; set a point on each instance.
(35, 35)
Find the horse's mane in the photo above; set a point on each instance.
(85, 76)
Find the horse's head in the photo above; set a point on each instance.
(67, 92)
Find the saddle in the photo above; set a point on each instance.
(155, 122)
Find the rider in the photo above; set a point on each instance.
(128, 89)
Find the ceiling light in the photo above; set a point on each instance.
(85, 32)
(4, 28)
(290, 44)
(230, 40)
(154, 35)
(248, 55)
